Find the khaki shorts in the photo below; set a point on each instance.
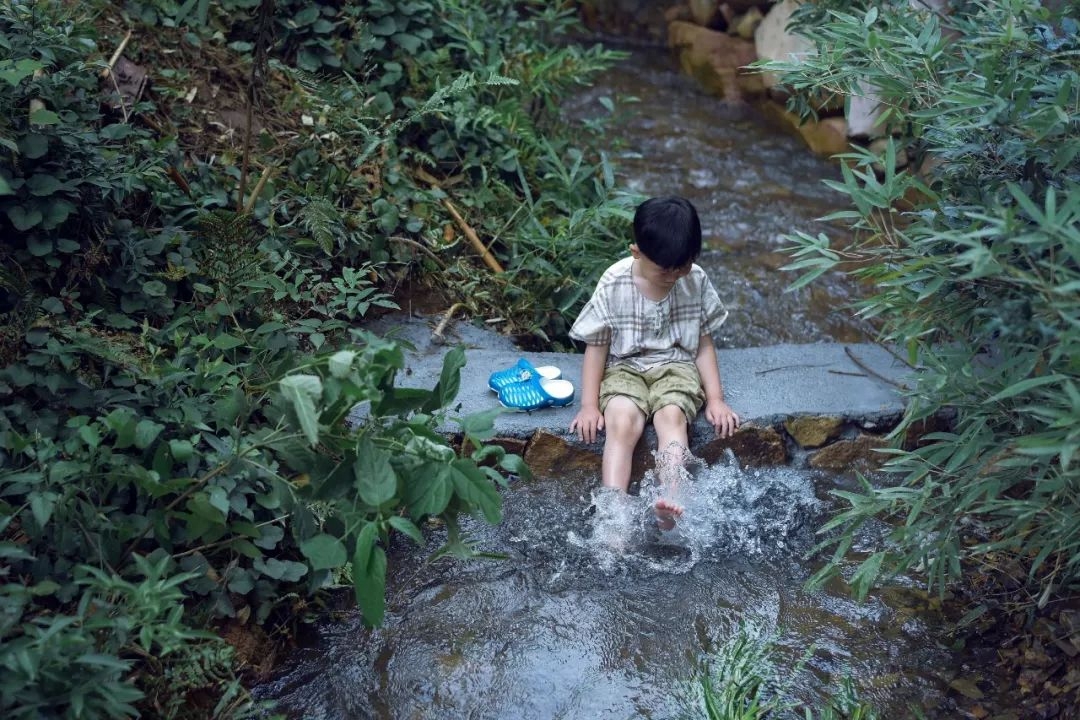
(669, 384)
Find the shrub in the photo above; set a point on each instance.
(177, 366)
(974, 254)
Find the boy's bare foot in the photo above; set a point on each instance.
(666, 513)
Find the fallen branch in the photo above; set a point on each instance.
(437, 334)
(474, 239)
(789, 367)
(107, 71)
(879, 376)
(422, 248)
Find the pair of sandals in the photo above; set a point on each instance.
(527, 388)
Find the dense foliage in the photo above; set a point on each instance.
(179, 299)
(975, 255)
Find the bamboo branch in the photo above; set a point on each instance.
(250, 205)
(107, 71)
(474, 239)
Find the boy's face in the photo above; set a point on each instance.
(656, 275)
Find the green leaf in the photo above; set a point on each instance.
(146, 432)
(384, 26)
(181, 450)
(40, 246)
(41, 506)
(14, 72)
(428, 490)
(866, 575)
(376, 480)
(41, 116)
(369, 581)
(481, 425)
(90, 435)
(240, 582)
(340, 363)
(225, 341)
(42, 184)
(284, 570)
(306, 16)
(407, 527)
(23, 219)
(154, 288)
(1025, 385)
(33, 145)
(515, 464)
(302, 391)
(55, 214)
(473, 487)
(324, 552)
(449, 381)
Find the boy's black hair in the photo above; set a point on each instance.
(667, 231)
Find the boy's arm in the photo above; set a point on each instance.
(588, 420)
(719, 414)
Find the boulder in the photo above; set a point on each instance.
(827, 136)
(857, 454)
(753, 446)
(716, 60)
(864, 113)
(704, 12)
(548, 455)
(747, 24)
(774, 42)
(813, 432)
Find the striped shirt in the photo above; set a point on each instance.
(644, 333)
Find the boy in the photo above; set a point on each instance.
(648, 329)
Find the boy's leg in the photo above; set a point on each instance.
(671, 427)
(623, 424)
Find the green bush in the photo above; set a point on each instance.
(177, 365)
(975, 255)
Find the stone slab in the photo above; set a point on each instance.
(765, 385)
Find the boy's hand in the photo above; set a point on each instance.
(587, 423)
(723, 419)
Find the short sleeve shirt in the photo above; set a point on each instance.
(644, 333)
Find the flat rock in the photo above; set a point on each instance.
(766, 386)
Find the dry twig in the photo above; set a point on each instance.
(437, 333)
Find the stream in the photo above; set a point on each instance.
(592, 612)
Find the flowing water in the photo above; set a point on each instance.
(594, 612)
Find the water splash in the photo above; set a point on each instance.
(766, 514)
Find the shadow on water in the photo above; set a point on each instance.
(595, 613)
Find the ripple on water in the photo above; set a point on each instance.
(596, 613)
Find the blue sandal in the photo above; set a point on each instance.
(536, 393)
(520, 372)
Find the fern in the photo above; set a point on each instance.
(229, 254)
(323, 221)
